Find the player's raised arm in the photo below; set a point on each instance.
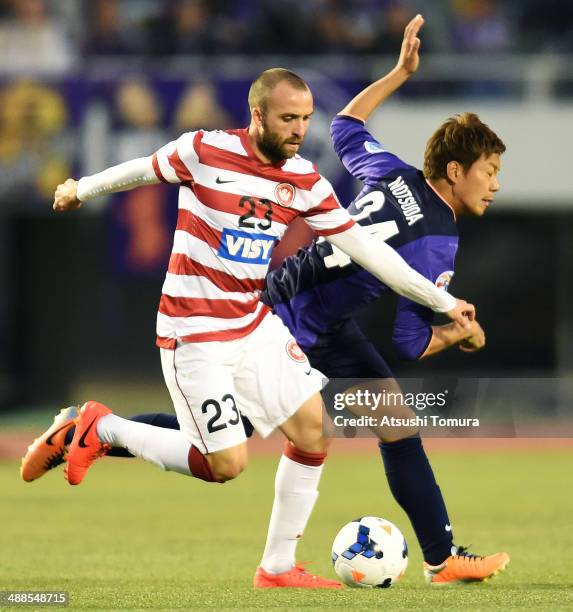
(363, 105)
(70, 194)
(389, 267)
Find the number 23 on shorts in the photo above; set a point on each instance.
(218, 420)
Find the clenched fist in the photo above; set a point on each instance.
(463, 314)
(475, 340)
(66, 197)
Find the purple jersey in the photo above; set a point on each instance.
(319, 288)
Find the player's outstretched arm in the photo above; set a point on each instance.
(389, 267)
(70, 194)
(364, 104)
(469, 339)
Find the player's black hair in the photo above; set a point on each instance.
(463, 138)
(267, 81)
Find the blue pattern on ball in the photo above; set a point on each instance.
(363, 546)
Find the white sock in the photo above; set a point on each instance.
(166, 448)
(296, 491)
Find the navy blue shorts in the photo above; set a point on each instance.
(345, 352)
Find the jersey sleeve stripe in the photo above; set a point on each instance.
(202, 307)
(180, 168)
(162, 159)
(329, 203)
(197, 144)
(335, 230)
(182, 264)
(157, 170)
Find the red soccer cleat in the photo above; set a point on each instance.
(296, 578)
(86, 447)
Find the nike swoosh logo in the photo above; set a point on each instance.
(308, 373)
(49, 438)
(81, 443)
(220, 182)
(448, 527)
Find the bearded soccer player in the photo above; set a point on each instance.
(223, 353)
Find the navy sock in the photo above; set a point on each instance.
(157, 419)
(414, 487)
(167, 421)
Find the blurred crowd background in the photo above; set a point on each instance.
(55, 34)
(86, 84)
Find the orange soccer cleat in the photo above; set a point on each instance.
(86, 447)
(48, 451)
(296, 578)
(462, 567)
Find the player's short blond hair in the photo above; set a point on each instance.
(263, 85)
(463, 138)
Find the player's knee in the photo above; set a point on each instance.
(311, 440)
(225, 474)
(305, 427)
(316, 444)
(227, 468)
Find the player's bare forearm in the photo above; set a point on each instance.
(469, 339)
(444, 336)
(366, 102)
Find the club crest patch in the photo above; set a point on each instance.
(444, 279)
(373, 147)
(284, 193)
(295, 352)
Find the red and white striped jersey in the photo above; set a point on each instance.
(233, 209)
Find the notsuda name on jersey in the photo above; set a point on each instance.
(245, 247)
(406, 200)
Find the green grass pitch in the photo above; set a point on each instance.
(133, 537)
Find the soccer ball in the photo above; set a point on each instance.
(370, 552)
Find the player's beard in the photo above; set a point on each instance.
(274, 147)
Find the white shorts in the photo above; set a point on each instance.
(264, 376)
